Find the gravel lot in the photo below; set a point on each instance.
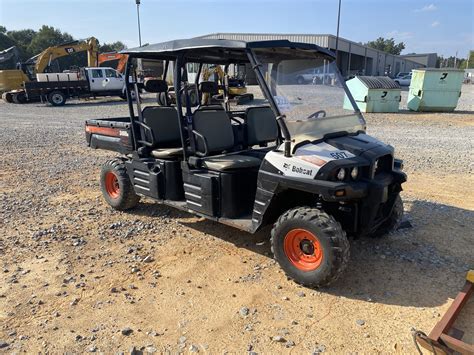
(77, 276)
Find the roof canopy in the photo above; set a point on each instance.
(219, 51)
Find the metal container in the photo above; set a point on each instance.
(373, 94)
(435, 89)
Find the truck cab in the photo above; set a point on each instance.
(103, 79)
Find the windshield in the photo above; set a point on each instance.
(306, 86)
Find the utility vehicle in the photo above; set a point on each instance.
(293, 158)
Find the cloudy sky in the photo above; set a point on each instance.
(442, 26)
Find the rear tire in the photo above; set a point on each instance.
(7, 97)
(310, 246)
(57, 98)
(300, 80)
(116, 186)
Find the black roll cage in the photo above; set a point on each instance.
(180, 66)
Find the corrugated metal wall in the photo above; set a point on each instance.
(374, 62)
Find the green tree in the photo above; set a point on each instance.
(5, 42)
(112, 47)
(22, 39)
(3, 29)
(48, 36)
(470, 62)
(387, 45)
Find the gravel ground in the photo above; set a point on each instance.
(78, 276)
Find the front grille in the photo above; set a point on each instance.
(385, 164)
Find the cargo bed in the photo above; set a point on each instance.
(111, 134)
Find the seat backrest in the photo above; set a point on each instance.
(215, 126)
(261, 125)
(163, 121)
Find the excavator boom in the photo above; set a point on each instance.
(44, 59)
(109, 56)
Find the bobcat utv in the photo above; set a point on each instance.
(293, 158)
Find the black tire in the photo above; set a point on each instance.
(333, 246)
(300, 80)
(116, 186)
(21, 98)
(7, 97)
(57, 98)
(393, 221)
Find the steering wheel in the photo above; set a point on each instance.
(317, 114)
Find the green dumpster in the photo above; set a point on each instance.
(435, 89)
(373, 94)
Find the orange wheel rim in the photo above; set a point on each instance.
(112, 185)
(303, 249)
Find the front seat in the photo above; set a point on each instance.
(214, 136)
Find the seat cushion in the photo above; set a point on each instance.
(167, 153)
(230, 162)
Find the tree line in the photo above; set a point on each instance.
(390, 46)
(32, 42)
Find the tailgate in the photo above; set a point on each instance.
(110, 134)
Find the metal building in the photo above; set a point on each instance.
(353, 58)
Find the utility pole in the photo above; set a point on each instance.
(138, 18)
(455, 58)
(337, 32)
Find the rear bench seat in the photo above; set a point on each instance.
(163, 121)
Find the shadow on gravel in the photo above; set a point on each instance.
(405, 268)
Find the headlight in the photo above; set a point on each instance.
(341, 174)
(354, 172)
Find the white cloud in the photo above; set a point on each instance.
(427, 8)
(400, 36)
(435, 24)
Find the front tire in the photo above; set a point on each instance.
(300, 80)
(116, 186)
(310, 246)
(393, 222)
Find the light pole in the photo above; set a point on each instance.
(337, 34)
(138, 18)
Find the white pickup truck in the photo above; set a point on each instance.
(314, 76)
(56, 88)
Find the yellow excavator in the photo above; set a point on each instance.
(12, 81)
(234, 85)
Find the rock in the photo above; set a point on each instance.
(151, 350)
(301, 294)
(285, 298)
(319, 349)
(244, 311)
(193, 349)
(360, 322)
(148, 259)
(278, 339)
(92, 349)
(75, 301)
(3, 344)
(127, 331)
(182, 339)
(290, 344)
